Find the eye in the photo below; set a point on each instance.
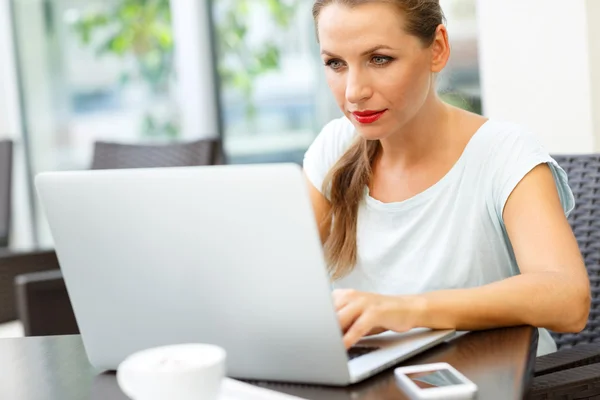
(334, 64)
(381, 60)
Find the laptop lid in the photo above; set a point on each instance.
(228, 255)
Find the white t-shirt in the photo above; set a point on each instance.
(451, 235)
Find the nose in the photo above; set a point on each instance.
(358, 87)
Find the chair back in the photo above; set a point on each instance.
(584, 179)
(108, 155)
(6, 152)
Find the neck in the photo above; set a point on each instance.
(422, 137)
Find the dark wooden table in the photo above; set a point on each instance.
(499, 361)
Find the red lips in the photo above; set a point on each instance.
(368, 116)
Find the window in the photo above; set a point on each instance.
(459, 84)
(273, 96)
(93, 70)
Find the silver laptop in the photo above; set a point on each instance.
(228, 255)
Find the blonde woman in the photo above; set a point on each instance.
(431, 216)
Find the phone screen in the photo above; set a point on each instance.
(434, 379)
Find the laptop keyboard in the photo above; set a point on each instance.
(357, 351)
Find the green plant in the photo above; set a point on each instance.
(140, 30)
(240, 64)
(459, 100)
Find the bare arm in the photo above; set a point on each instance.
(321, 208)
(553, 288)
(552, 291)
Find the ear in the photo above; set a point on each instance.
(440, 49)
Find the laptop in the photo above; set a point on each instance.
(228, 255)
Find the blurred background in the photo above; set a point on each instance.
(248, 73)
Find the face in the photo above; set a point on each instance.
(380, 75)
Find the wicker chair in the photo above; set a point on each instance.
(108, 155)
(12, 264)
(574, 371)
(42, 300)
(5, 190)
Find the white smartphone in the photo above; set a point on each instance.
(434, 381)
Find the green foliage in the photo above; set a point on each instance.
(138, 29)
(142, 29)
(244, 64)
(461, 101)
(153, 127)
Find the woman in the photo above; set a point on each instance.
(431, 216)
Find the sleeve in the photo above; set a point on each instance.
(327, 148)
(517, 152)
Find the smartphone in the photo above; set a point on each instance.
(434, 381)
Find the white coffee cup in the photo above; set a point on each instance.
(182, 371)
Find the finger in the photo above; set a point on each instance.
(349, 314)
(358, 330)
(376, 331)
(341, 297)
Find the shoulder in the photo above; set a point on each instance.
(504, 147)
(502, 138)
(508, 152)
(500, 146)
(327, 148)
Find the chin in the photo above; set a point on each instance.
(372, 132)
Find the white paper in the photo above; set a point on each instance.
(236, 390)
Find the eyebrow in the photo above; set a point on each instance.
(364, 53)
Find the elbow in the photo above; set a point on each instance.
(583, 312)
(576, 313)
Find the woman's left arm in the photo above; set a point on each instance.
(552, 290)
